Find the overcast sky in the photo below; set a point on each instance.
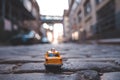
(52, 7)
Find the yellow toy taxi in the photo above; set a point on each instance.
(53, 59)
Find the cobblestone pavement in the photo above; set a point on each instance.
(80, 62)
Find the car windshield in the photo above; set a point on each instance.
(53, 55)
(29, 34)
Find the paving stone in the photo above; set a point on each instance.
(92, 60)
(87, 75)
(31, 67)
(107, 56)
(76, 57)
(99, 66)
(35, 76)
(27, 58)
(111, 76)
(6, 68)
(117, 61)
(21, 59)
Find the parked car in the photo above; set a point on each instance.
(29, 37)
(44, 40)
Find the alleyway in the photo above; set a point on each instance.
(80, 62)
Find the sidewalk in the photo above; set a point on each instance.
(106, 41)
(110, 41)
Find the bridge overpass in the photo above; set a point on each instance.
(51, 19)
(48, 24)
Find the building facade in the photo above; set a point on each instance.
(67, 30)
(13, 16)
(94, 19)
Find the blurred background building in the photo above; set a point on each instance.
(67, 30)
(84, 20)
(52, 27)
(93, 19)
(17, 16)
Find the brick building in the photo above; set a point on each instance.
(16, 15)
(67, 31)
(94, 19)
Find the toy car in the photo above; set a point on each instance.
(53, 59)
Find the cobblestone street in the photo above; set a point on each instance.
(80, 62)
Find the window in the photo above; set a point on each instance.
(98, 1)
(51, 55)
(78, 1)
(87, 7)
(74, 6)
